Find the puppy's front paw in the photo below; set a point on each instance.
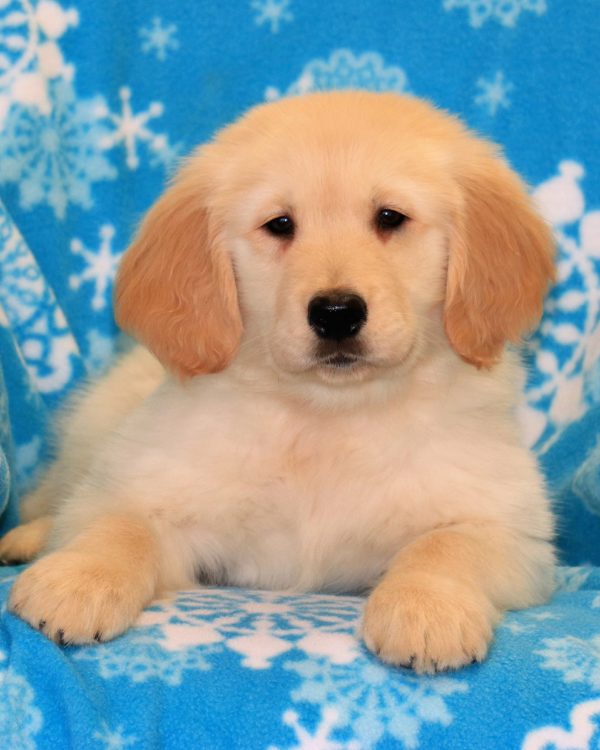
(428, 623)
(73, 597)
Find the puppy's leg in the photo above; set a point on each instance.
(94, 588)
(436, 607)
(25, 542)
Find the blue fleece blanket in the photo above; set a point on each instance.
(98, 101)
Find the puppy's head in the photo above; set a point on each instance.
(338, 237)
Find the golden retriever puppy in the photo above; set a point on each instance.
(331, 284)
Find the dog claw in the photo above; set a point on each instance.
(41, 624)
(60, 635)
(98, 637)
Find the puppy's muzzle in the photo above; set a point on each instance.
(337, 315)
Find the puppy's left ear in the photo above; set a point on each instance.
(501, 260)
(175, 290)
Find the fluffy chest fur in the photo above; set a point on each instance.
(263, 491)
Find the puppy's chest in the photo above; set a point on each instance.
(335, 483)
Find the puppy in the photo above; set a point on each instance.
(330, 284)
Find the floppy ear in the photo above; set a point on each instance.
(175, 290)
(500, 265)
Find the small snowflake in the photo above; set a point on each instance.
(159, 38)
(101, 266)
(272, 12)
(113, 739)
(494, 93)
(506, 12)
(132, 129)
(321, 740)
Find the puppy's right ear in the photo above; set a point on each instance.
(175, 290)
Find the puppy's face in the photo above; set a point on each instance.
(337, 237)
(339, 241)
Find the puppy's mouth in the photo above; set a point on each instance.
(339, 357)
(340, 360)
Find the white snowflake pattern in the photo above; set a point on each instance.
(20, 719)
(173, 636)
(37, 323)
(132, 129)
(527, 621)
(140, 655)
(345, 70)
(159, 38)
(55, 157)
(321, 739)
(259, 626)
(578, 659)
(100, 266)
(374, 700)
(505, 12)
(273, 12)
(113, 739)
(564, 352)
(494, 93)
(29, 53)
(583, 733)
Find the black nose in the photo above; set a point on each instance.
(337, 315)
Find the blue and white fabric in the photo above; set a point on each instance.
(98, 102)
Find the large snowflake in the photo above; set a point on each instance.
(37, 322)
(374, 700)
(564, 354)
(345, 70)
(506, 12)
(55, 157)
(173, 636)
(261, 625)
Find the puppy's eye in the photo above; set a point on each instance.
(387, 219)
(280, 226)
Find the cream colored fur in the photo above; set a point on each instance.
(256, 465)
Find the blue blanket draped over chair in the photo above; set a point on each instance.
(98, 102)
